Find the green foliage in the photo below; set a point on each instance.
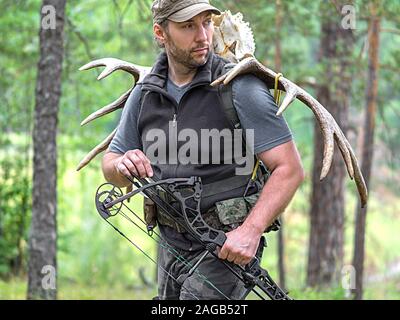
(15, 209)
(89, 250)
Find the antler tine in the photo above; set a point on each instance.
(113, 64)
(361, 186)
(345, 148)
(98, 149)
(117, 104)
(330, 130)
(291, 95)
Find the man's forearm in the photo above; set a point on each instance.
(275, 197)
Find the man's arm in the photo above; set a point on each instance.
(286, 176)
(116, 167)
(124, 157)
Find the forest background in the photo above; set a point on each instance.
(93, 262)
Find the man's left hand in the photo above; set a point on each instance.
(240, 246)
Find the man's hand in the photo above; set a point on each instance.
(117, 168)
(134, 162)
(241, 245)
(287, 174)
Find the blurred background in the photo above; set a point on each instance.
(345, 53)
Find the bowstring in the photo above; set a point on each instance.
(166, 246)
(149, 257)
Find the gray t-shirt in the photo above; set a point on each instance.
(256, 110)
(176, 91)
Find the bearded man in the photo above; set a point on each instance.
(176, 95)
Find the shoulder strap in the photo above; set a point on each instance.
(226, 96)
(143, 93)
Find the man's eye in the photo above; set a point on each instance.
(188, 26)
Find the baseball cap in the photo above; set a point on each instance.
(180, 10)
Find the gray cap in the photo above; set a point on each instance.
(180, 10)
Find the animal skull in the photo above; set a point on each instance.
(233, 38)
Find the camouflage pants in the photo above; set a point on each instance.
(211, 281)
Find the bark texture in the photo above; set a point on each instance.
(43, 233)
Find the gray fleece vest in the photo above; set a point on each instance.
(200, 108)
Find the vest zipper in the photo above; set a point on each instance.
(174, 121)
(175, 103)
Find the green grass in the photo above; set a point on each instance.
(16, 289)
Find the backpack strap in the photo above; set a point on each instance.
(226, 95)
(260, 172)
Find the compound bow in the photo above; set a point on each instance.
(187, 192)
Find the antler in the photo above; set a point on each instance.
(112, 65)
(330, 129)
(98, 149)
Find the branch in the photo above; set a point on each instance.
(121, 15)
(389, 68)
(394, 31)
(126, 9)
(308, 81)
(337, 6)
(82, 38)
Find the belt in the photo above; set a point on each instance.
(209, 189)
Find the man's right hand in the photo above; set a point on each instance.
(118, 168)
(134, 162)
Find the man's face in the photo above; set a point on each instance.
(189, 43)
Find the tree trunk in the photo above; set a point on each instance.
(278, 68)
(327, 201)
(368, 146)
(43, 233)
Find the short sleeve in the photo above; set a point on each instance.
(127, 136)
(256, 110)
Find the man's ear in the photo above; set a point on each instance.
(159, 33)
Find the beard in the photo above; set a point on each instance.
(187, 57)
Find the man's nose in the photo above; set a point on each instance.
(201, 35)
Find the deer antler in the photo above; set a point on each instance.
(111, 64)
(330, 129)
(117, 104)
(98, 149)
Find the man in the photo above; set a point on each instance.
(177, 95)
